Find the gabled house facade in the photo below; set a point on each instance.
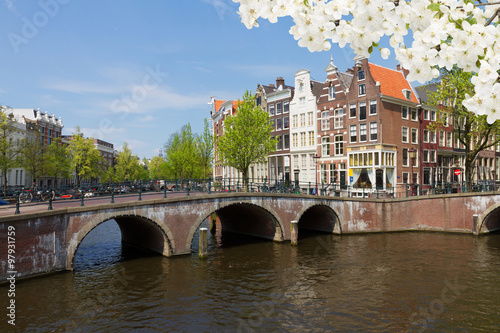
(303, 129)
(332, 129)
(275, 99)
(383, 129)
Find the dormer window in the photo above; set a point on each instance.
(361, 75)
(407, 94)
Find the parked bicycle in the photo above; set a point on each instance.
(42, 195)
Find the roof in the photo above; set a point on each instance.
(218, 104)
(345, 80)
(392, 82)
(423, 90)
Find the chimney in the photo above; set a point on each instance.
(280, 82)
(271, 85)
(403, 70)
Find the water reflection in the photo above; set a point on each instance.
(403, 282)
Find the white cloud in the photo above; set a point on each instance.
(221, 7)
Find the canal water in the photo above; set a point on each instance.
(399, 282)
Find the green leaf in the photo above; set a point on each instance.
(434, 7)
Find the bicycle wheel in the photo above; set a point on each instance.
(46, 195)
(25, 197)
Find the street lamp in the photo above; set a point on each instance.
(316, 157)
(412, 152)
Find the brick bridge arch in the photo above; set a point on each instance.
(490, 219)
(153, 234)
(319, 217)
(269, 224)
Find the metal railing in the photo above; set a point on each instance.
(189, 186)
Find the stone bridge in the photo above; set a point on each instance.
(47, 241)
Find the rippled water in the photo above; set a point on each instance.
(399, 282)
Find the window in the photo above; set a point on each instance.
(302, 119)
(405, 157)
(295, 121)
(441, 139)
(279, 124)
(286, 122)
(303, 139)
(325, 146)
(445, 119)
(311, 138)
(373, 131)
(331, 92)
(405, 177)
(426, 156)
(352, 110)
(362, 110)
(426, 135)
(413, 114)
(338, 118)
(279, 143)
(362, 89)
(433, 136)
(273, 123)
(286, 141)
(433, 156)
(373, 107)
(325, 120)
(404, 134)
(271, 109)
(304, 161)
(449, 139)
(302, 100)
(301, 87)
(278, 108)
(286, 107)
(295, 140)
(310, 119)
(339, 145)
(352, 131)
(361, 75)
(426, 114)
(362, 132)
(427, 176)
(414, 136)
(433, 115)
(259, 100)
(404, 112)
(407, 94)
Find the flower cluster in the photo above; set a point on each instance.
(445, 33)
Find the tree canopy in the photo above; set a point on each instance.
(247, 136)
(85, 157)
(473, 131)
(9, 147)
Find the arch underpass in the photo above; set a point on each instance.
(251, 220)
(320, 218)
(491, 222)
(136, 231)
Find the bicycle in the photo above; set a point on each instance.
(43, 195)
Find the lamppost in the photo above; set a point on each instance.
(493, 173)
(316, 157)
(412, 152)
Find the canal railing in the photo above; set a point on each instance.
(138, 189)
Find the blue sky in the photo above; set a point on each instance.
(136, 71)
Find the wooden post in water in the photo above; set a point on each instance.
(213, 223)
(294, 232)
(203, 246)
(475, 226)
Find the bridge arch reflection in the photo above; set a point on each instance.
(136, 231)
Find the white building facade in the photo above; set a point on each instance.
(303, 128)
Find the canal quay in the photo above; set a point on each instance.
(349, 278)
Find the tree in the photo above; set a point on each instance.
(471, 129)
(157, 168)
(444, 32)
(181, 154)
(85, 157)
(58, 164)
(205, 147)
(247, 137)
(9, 148)
(127, 165)
(32, 155)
